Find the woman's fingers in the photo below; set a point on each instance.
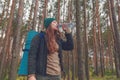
(65, 28)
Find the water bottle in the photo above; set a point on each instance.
(69, 25)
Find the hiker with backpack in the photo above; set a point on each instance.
(45, 54)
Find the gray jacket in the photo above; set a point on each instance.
(37, 59)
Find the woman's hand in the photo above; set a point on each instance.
(65, 28)
(31, 77)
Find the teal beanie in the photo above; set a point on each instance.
(47, 22)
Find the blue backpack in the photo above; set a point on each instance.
(23, 68)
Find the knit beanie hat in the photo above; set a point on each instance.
(47, 22)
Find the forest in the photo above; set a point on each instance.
(96, 36)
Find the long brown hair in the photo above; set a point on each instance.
(52, 36)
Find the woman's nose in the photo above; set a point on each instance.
(55, 23)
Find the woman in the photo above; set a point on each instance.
(45, 55)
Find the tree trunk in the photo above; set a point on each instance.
(39, 24)
(70, 52)
(116, 32)
(44, 13)
(35, 15)
(109, 48)
(68, 65)
(86, 44)
(115, 36)
(3, 12)
(1, 42)
(30, 15)
(7, 10)
(73, 67)
(99, 39)
(16, 47)
(8, 60)
(112, 30)
(63, 10)
(95, 59)
(58, 15)
(118, 2)
(73, 61)
(7, 39)
(81, 75)
(45, 9)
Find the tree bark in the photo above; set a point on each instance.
(118, 2)
(73, 67)
(95, 58)
(58, 15)
(115, 36)
(116, 39)
(45, 9)
(16, 47)
(86, 43)
(99, 39)
(81, 75)
(1, 40)
(3, 12)
(35, 15)
(44, 13)
(30, 15)
(7, 10)
(70, 52)
(68, 65)
(39, 24)
(7, 39)
(110, 41)
(63, 10)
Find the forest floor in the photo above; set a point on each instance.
(108, 75)
(104, 78)
(92, 78)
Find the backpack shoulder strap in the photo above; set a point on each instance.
(42, 34)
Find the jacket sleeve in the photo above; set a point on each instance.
(68, 44)
(33, 55)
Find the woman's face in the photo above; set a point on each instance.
(54, 25)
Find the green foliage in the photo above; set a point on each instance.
(22, 78)
(112, 77)
(105, 78)
(109, 73)
(3, 24)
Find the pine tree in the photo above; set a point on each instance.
(16, 47)
(7, 40)
(81, 75)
